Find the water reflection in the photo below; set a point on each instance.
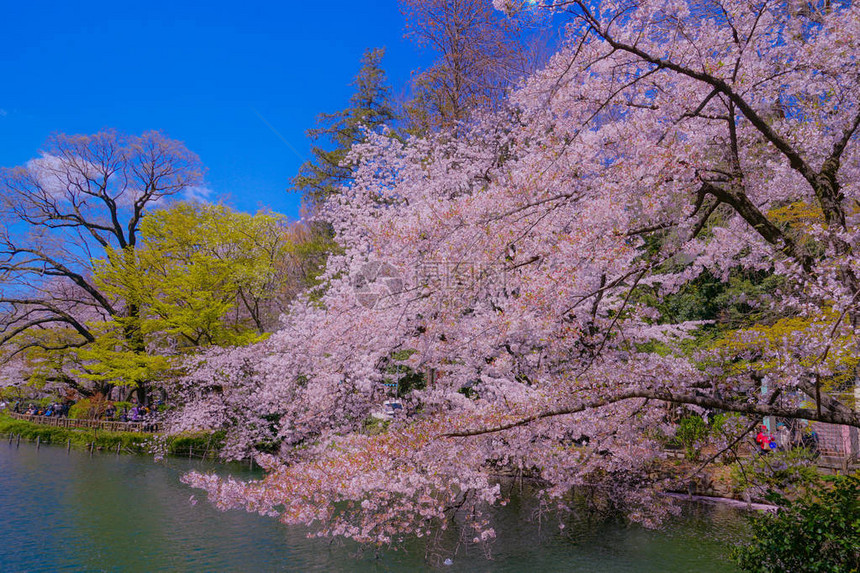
(104, 512)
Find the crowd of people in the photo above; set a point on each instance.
(785, 439)
(110, 412)
(134, 414)
(56, 409)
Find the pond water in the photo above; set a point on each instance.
(71, 511)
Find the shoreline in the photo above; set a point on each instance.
(715, 500)
(200, 446)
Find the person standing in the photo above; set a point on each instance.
(783, 437)
(763, 440)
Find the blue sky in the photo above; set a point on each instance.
(222, 77)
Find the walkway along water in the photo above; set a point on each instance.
(111, 426)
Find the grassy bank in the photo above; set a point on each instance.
(186, 445)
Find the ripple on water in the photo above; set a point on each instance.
(71, 512)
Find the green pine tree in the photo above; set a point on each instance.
(370, 107)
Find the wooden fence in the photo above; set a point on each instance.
(838, 447)
(836, 440)
(111, 426)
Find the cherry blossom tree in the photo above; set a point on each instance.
(666, 139)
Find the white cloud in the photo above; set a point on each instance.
(198, 194)
(59, 177)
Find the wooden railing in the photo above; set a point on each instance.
(108, 425)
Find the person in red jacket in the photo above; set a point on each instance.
(763, 440)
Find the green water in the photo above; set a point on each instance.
(64, 511)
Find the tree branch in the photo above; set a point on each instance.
(847, 418)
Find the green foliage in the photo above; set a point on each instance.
(198, 444)
(370, 108)
(44, 365)
(782, 471)
(95, 407)
(757, 348)
(12, 393)
(406, 378)
(81, 410)
(54, 287)
(375, 426)
(198, 275)
(691, 431)
(729, 303)
(224, 257)
(409, 380)
(112, 358)
(817, 533)
(46, 401)
(720, 421)
(128, 441)
(202, 275)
